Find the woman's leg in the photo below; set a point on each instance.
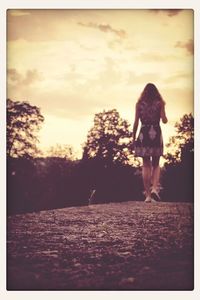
(146, 174)
(155, 172)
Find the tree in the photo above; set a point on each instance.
(178, 177)
(108, 159)
(62, 151)
(181, 146)
(109, 139)
(23, 123)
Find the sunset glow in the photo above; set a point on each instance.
(75, 63)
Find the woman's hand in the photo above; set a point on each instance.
(136, 121)
(134, 142)
(163, 114)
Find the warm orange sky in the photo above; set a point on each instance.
(75, 63)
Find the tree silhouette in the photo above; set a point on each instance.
(23, 123)
(181, 146)
(109, 139)
(178, 177)
(62, 151)
(108, 159)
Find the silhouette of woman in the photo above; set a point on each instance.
(150, 108)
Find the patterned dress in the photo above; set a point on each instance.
(149, 141)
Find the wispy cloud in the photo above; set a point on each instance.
(151, 56)
(178, 76)
(14, 75)
(30, 77)
(105, 28)
(134, 78)
(169, 12)
(189, 46)
(19, 13)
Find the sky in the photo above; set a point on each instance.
(75, 63)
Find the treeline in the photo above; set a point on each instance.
(46, 183)
(107, 172)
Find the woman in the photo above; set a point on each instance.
(150, 108)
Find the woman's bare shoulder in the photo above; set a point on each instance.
(162, 103)
(137, 105)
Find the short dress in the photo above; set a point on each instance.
(149, 141)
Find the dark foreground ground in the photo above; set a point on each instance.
(126, 246)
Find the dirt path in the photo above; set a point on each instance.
(115, 246)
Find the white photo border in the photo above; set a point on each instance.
(98, 4)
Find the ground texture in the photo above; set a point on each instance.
(115, 246)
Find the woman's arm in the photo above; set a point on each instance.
(163, 114)
(136, 121)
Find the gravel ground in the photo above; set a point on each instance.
(115, 246)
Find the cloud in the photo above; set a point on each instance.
(61, 101)
(114, 43)
(169, 12)
(29, 78)
(178, 76)
(105, 28)
(153, 56)
(40, 24)
(70, 105)
(109, 77)
(189, 46)
(84, 47)
(14, 76)
(142, 78)
(18, 13)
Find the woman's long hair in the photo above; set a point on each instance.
(150, 94)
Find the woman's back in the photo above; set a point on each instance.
(149, 113)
